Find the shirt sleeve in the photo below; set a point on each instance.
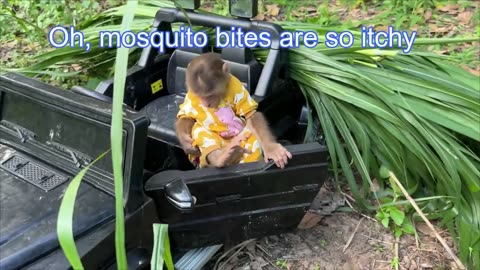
(187, 110)
(245, 105)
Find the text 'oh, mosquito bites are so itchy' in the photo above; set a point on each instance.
(234, 37)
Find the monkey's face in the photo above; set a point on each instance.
(213, 99)
(207, 76)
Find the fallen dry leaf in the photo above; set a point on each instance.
(11, 44)
(259, 17)
(454, 266)
(273, 10)
(295, 13)
(447, 8)
(251, 247)
(309, 9)
(76, 67)
(428, 15)
(465, 16)
(383, 28)
(453, 12)
(355, 12)
(375, 187)
(427, 264)
(413, 264)
(258, 263)
(449, 20)
(435, 29)
(441, 51)
(309, 220)
(423, 228)
(5, 55)
(311, 15)
(305, 264)
(475, 72)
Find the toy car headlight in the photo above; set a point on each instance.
(189, 4)
(244, 8)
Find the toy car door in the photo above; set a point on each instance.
(225, 206)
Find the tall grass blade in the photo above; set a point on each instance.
(121, 65)
(161, 248)
(65, 218)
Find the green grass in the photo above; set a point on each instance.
(17, 25)
(25, 24)
(406, 15)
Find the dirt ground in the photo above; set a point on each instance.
(335, 242)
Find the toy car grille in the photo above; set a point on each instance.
(33, 173)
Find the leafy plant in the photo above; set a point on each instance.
(323, 243)
(399, 222)
(282, 264)
(395, 263)
(393, 215)
(379, 248)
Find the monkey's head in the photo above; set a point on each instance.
(207, 77)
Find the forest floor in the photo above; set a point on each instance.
(333, 239)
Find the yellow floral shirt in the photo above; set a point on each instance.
(229, 118)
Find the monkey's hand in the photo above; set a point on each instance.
(186, 142)
(229, 154)
(183, 129)
(277, 153)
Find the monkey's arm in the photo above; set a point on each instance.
(271, 148)
(183, 128)
(259, 126)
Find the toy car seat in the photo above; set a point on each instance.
(163, 111)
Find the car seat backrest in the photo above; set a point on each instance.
(243, 65)
(241, 61)
(177, 68)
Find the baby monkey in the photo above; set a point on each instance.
(218, 123)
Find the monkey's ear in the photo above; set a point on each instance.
(225, 68)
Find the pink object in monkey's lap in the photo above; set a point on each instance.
(234, 124)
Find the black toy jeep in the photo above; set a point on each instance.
(47, 135)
